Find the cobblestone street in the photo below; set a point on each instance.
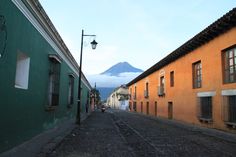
(119, 133)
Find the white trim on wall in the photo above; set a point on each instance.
(54, 56)
(228, 92)
(206, 94)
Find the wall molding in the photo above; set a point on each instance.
(206, 94)
(228, 92)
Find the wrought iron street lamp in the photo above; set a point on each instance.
(94, 44)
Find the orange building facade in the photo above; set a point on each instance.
(196, 83)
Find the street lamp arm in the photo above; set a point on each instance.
(89, 35)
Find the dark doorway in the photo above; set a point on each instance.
(147, 109)
(170, 110)
(155, 108)
(141, 107)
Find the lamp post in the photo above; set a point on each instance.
(94, 44)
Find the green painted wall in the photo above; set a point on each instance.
(84, 98)
(22, 112)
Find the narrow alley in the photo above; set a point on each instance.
(120, 133)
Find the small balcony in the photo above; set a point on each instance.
(146, 94)
(161, 91)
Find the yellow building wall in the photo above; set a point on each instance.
(182, 95)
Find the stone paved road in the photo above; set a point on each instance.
(117, 133)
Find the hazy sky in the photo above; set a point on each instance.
(140, 32)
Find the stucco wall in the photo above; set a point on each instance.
(183, 96)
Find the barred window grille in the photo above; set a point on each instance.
(225, 109)
(204, 108)
(232, 109)
(54, 82)
(197, 75)
(71, 90)
(229, 109)
(229, 65)
(161, 88)
(146, 94)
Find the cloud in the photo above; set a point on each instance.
(111, 81)
(129, 74)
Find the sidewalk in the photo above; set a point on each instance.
(43, 143)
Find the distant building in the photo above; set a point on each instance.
(39, 76)
(119, 98)
(196, 83)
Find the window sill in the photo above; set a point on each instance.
(21, 87)
(197, 87)
(229, 82)
(205, 120)
(50, 108)
(231, 125)
(161, 95)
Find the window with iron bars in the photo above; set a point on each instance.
(229, 109)
(161, 88)
(197, 75)
(205, 109)
(229, 65)
(54, 82)
(71, 91)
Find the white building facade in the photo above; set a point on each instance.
(119, 98)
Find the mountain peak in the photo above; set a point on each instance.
(121, 67)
